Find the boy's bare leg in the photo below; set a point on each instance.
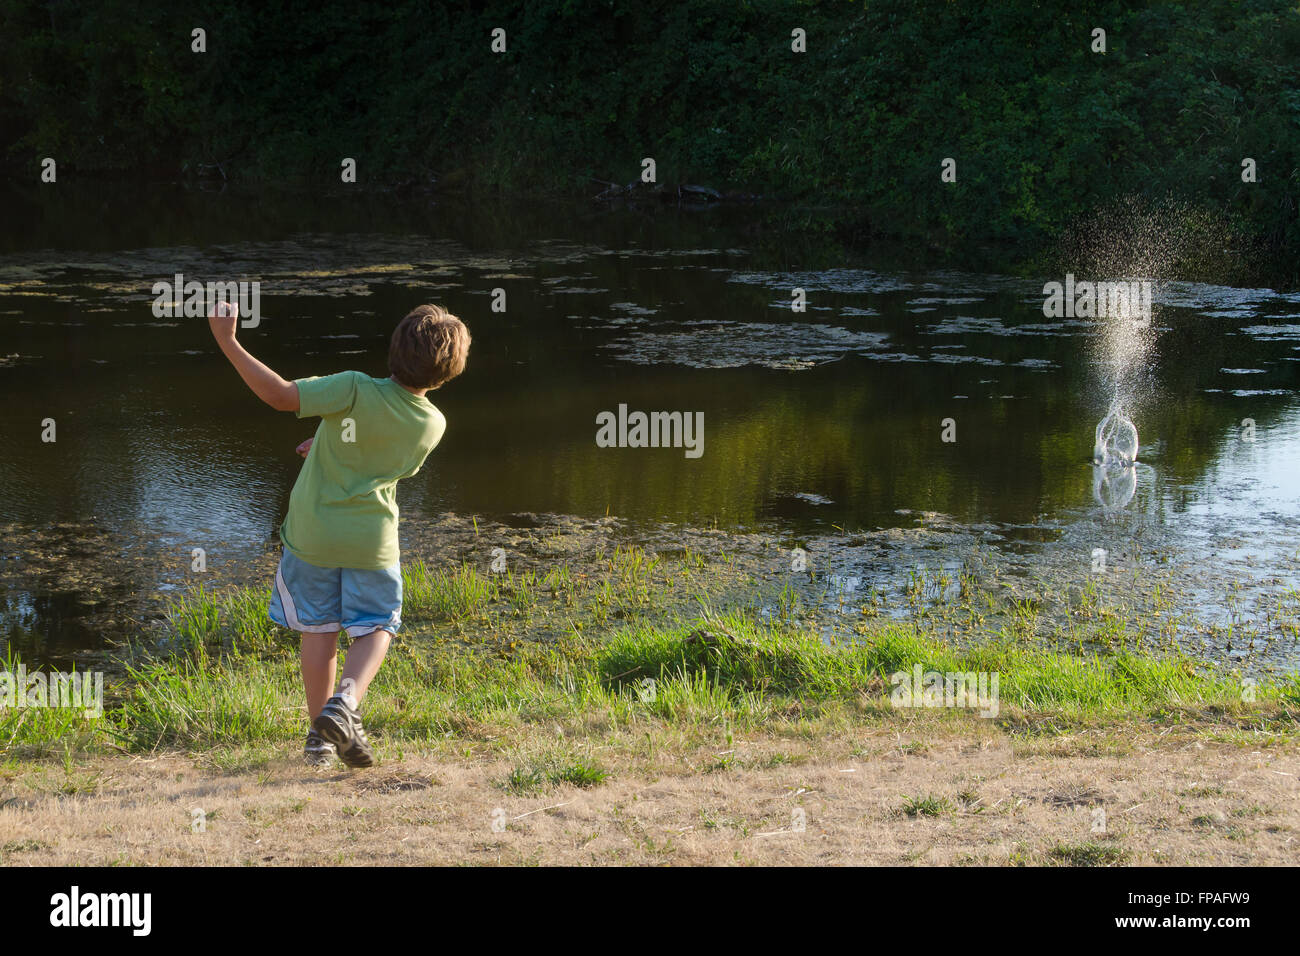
(319, 660)
(364, 657)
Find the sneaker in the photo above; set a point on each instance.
(318, 751)
(340, 725)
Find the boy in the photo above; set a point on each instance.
(340, 569)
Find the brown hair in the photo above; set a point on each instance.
(428, 348)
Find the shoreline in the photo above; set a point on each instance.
(536, 576)
(697, 739)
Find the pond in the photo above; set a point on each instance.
(903, 396)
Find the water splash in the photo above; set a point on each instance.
(1116, 440)
(1126, 343)
(1113, 486)
(1126, 346)
(1114, 459)
(1134, 237)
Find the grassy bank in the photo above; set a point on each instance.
(610, 716)
(488, 660)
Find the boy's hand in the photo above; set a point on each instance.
(280, 394)
(305, 447)
(222, 321)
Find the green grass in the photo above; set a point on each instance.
(43, 731)
(927, 806)
(197, 703)
(486, 655)
(744, 672)
(456, 595)
(202, 620)
(1088, 854)
(538, 776)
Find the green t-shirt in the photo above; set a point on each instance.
(373, 432)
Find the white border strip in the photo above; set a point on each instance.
(291, 611)
(364, 630)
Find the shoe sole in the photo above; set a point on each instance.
(358, 759)
(333, 731)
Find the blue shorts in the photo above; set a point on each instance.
(328, 600)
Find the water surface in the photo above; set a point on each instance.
(816, 423)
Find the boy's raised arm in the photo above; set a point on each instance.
(266, 384)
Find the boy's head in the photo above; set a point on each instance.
(428, 348)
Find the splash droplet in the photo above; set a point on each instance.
(1116, 442)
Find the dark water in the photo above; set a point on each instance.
(815, 421)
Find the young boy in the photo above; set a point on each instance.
(340, 568)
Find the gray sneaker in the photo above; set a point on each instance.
(319, 752)
(340, 725)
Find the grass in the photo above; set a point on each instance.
(46, 730)
(457, 595)
(1088, 854)
(620, 645)
(927, 806)
(539, 775)
(719, 668)
(710, 723)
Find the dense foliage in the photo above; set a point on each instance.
(1042, 128)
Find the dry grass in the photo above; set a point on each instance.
(1166, 800)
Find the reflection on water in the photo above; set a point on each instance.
(1114, 457)
(825, 419)
(1113, 484)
